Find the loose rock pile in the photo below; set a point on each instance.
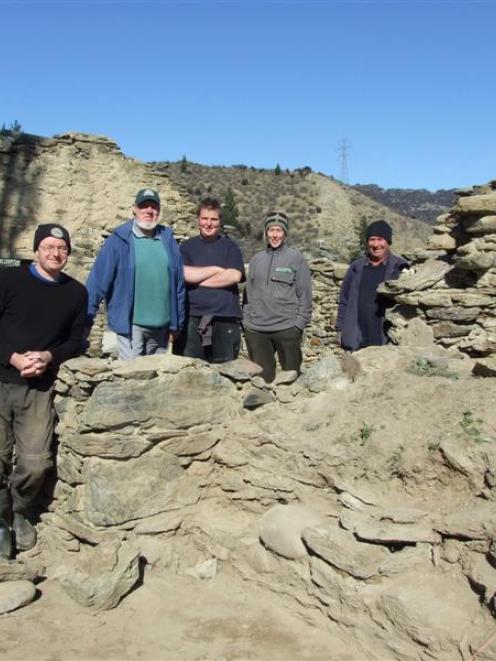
(448, 294)
(387, 538)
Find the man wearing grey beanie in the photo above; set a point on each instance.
(361, 311)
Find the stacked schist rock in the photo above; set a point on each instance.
(326, 282)
(448, 295)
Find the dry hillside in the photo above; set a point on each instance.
(326, 216)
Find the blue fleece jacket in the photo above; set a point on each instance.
(112, 279)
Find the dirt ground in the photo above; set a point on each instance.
(167, 618)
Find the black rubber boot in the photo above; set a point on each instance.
(5, 541)
(24, 531)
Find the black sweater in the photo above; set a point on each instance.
(38, 315)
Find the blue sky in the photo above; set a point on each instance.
(410, 85)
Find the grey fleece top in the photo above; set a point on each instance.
(278, 291)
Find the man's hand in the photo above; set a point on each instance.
(31, 363)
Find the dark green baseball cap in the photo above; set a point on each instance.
(147, 195)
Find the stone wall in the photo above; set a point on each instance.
(161, 462)
(448, 294)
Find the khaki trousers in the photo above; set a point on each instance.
(26, 431)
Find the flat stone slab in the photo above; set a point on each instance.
(240, 369)
(16, 594)
(476, 523)
(155, 525)
(180, 400)
(116, 492)
(341, 550)
(420, 277)
(111, 446)
(285, 377)
(387, 532)
(17, 571)
(485, 366)
(402, 515)
(191, 444)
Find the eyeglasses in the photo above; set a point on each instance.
(51, 250)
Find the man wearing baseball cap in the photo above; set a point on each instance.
(361, 311)
(139, 273)
(42, 319)
(278, 301)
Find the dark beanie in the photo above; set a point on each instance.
(51, 230)
(382, 229)
(277, 219)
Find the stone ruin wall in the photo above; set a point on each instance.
(160, 463)
(447, 296)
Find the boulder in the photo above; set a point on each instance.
(16, 594)
(282, 526)
(256, 398)
(102, 578)
(317, 377)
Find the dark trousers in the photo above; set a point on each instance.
(26, 420)
(225, 337)
(262, 348)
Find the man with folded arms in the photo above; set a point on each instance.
(213, 267)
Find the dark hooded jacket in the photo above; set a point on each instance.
(347, 322)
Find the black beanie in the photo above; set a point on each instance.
(54, 230)
(382, 229)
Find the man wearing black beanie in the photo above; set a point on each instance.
(42, 318)
(361, 311)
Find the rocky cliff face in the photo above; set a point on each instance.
(83, 182)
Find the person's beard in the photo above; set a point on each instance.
(147, 224)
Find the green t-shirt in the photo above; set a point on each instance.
(151, 283)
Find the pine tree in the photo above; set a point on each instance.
(230, 211)
(277, 169)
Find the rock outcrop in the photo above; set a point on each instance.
(82, 181)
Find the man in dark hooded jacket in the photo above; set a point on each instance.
(361, 312)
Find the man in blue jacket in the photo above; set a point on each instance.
(139, 273)
(361, 312)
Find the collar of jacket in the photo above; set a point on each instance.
(280, 249)
(125, 231)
